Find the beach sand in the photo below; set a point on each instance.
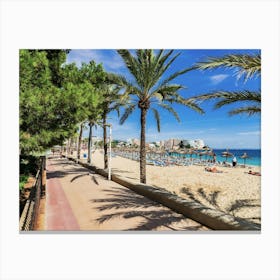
(234, 191)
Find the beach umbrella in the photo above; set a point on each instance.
(205, 154)
(227, 154)
(206, 148)
(201, 154)
(244, 156)
(210, 153)
(182, 152)
(191, 153)
(159, 153)
(172, 152)
(195, 152)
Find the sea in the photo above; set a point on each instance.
(254, 156)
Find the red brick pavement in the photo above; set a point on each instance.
(59, 214)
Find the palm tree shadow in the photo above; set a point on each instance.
(82, 175)
(212, 198)
(61, 174)
(127, 204)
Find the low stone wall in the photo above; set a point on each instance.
(209, 217)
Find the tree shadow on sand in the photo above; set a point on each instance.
(233, 208)
(127, 204)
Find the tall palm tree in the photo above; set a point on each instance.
(149, 88)
(247, 66)
(110, 103)
(92, 123)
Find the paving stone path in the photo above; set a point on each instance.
(77, 199)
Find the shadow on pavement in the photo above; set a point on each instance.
(131, 206)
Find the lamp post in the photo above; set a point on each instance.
(110, 151)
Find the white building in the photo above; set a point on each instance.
(189, 142)
(133, 141)
(199, 143)
(171, 144)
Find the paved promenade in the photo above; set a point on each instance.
(78, 199)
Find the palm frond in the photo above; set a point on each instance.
(232, 97)
(170, 109)
(249, 65)
(117, 79)
(134, 65)
(129, 60)
(122, 82)
(116, 107)
(250, 110)
(127, 113)
(162, 69)
(165, 90)
(191, 104)
(175, 75)
(229, 97)
(156, 115)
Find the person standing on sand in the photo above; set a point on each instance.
(214, 157)
(234, 161)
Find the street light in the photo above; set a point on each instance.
(110, 151)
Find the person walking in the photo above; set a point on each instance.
(234, 161)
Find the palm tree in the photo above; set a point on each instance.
(110, 103)
(92, 123)
(247, 66)
(149, 88)
(94, 118)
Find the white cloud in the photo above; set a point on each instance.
(257, 132)
(216, 79)
(110, 59)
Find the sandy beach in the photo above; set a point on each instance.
(233, 191)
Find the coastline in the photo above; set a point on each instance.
(233, 191)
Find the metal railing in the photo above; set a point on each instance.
(30, 212)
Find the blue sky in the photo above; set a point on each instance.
(215, 127)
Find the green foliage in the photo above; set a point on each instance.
(114, 143)
(147, 68)
(149, 88)
(54, 99)
(28, 167)
(22, 181)
(181, 145)
(29, 164)
(227, 97)
(246, 65)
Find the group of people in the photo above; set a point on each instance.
(234, 160)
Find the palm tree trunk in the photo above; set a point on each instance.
(80, 141)
(69, 146)
(105, 145)
(89, 142)
(143, 147)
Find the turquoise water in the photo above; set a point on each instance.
(254, 156)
